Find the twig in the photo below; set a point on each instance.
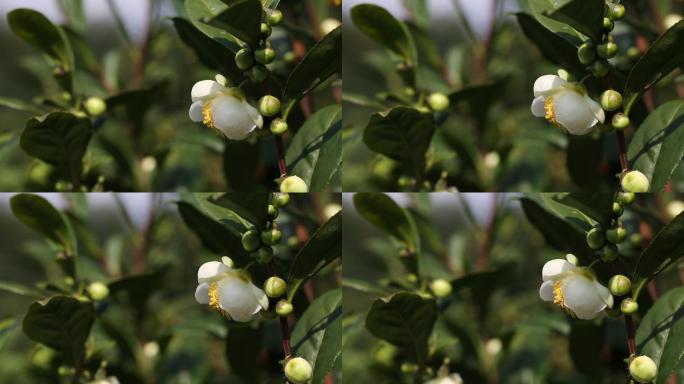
(631, 344)
(280, 149)
(624, 163)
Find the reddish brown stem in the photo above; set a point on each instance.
(629, 325)
(285, 330)
(623, 150)
(280, 148)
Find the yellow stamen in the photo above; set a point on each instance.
(558, 298)
(208, 118)
(214, 298)
(550, 115)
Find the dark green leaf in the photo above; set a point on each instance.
(381, 211)
(657, 146)
(403, 135)
(586, 16)
(241, 19)
(660, 335)
(666, 248)
(321, 249)
(38, 214)
(252, 206)
(62, 323)
(584, 158)
(598, 206)
(34, 28)
(406, 320)
(317, 336)
(201, 11)
(75, 12)
(240, 161)
(586, 347)
(378, 24)
(315, 152)
(60, 139)
(663, 56)
(243, 345)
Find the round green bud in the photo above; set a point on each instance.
(298, 371)
(278, 126)
(586, 53)
(629, 306)
(290, 58)
(635, 240)
(608, 24)
(611, 100)
(269, 105)
(244, 59)
(643, 369)
(271, 237)
(265, 30)
(616, 11)
(619, 121)
(250, 240)
(258, 73)
(227, 261)
(617, 209)
(283, 308)
(264, 255)
(409, 91)
(273, 212)
(408, 368)
(635, 181)
(600, 68)
(95, 106)
(616, 235)
(595, 238)
(264, 56)
(412, 278)
(274, 17)
(440, 288)
(65, 370)
(438, 101)
(633, 53)
(98, 291)
(619, 285)
(405, 182)
(572, 259)
(280, 199)
(274, 287)
(607, 50)
(626, 198)
(293, 184)
(609, 253)
(293, 242)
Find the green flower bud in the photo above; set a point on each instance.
(595, 238)
(610, 253)
(643, 369)
(65, 370)
(264, 255)
(600, 68)
(98, 291)
(278, 126)
(629, 306)
(572, 259)
(271, 237)
(617, 209)
(293, 242)
(611, 100)
(635, 240)
(635, 181)
(607, 50)
(250, 240)
(620, 121)
(264, 56)
(619, 285)
(273, 212)
(626, 198)
(406, 182)
(438, 101)
(274, 287)
(408, 368)
(412, 278)
(586, 53)
(95, 106)
(410, 92)
(265, 30)
(244, 59)
(441, 288)
(616, 11)
(633, 53)
(608, 24)
(283, 308)
(258, 73)
(269, 105)
(227, 261)
(298, 371)
(280, 200)
(274, 17)
(616, 235)
(290, 58)
(294, 184)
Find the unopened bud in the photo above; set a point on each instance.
(629, 306)
(298, 371)
(643, 369)
(274, 287)
(283, 308)
(293, 184)
(441, 288)
(611, 100)
(269, 105)
(635, 181)
(619, 285)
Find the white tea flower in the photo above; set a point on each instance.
(229, 291)
(565, 105)
(224, 109)
(574, 289)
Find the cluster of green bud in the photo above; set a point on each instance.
(260, 243)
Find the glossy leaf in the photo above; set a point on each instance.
(199, 12)
(315, 152)
(381, 211)
(34, 28)
(405, 320)
(586, 16)
(242, 19)
(378, 24)
(39, 215)
(317, 335)
(598, 206)
(252, 206)
(657, 146)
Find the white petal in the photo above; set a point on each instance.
(555, 267)
(573, 113)
(260, 296)
(196, 111)
(581, 297)
(237, 299)
(202, 293)
(546, 290)
(538, 106)
(604, 293)
(210, 270)
(203, 89)
(546, 84)
(254, 114)
(596, 109)
(231, 117)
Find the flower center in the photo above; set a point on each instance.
(558, 298)
(207, 117)
(214, 298)
(550, 114)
